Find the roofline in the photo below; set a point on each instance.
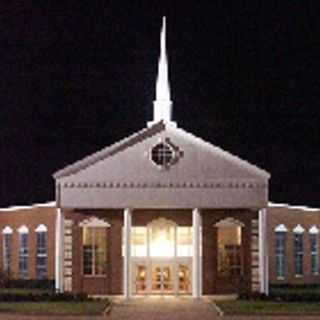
(241, 162)
(109, 150)
(35, 205)
(293, 207)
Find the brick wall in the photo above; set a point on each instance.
(291, 217)
(31, 218)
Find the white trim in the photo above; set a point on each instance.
(94, 222)
(59, 248)
(7, 230)
(36, 205)
(41, 228)
(127, 213)
(263, 252)
(196, 261)
(224, 154)
(23, 229)
(285, 205)
(298, 229)
(314, 230)
(228, 223)
(281, 228)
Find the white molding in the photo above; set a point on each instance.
(41, 228)
(127, 218)
(36, 205)
(228, 223)
(314, 230)
(94, 222)
(196, 261)
(23, 229)
(59, 250)
(292, 207)
(281, 228)
(298, 229)
(7, 230)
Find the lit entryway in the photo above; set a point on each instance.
(162, 277)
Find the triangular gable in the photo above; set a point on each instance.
(124, 175)
(110, 150)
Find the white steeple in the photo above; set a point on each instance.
(162, 106)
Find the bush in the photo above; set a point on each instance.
(42, 297)
(295, 293)
(45, 284)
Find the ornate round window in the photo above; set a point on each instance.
(162, 154)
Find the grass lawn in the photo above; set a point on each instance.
(244, 307)
(55, 308)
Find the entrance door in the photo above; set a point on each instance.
(162, 279)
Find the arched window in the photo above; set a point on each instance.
(281, 234)
(298, 250)
(7, 249)
(313, 236)
(42, 254)
(23, 252)
(229, 237)
(94, 246)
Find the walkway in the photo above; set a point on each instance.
(163, 308)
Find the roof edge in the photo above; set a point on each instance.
(293, 207)
(35, 205)
(110, 150)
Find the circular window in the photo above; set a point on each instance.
(162, 154)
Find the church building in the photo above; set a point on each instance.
(161, 212)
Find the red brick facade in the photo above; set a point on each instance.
(290, 217)
(30, 217)
(111, 283)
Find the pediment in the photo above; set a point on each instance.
(130, 164)
(134, 172)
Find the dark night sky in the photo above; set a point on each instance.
(76, 78)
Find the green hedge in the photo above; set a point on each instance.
(287, 293)
(44, 284)
(295, 293)
(8, 296)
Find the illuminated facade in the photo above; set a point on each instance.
(161, 212)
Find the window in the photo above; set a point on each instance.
(314, 250)
(41, 259)
(139, 241)
(162, 154)
(229, 250)
(162, 238)
(184, 242)
(7, 249)
(298, 254)
(281, 253)
(23, 252)
(94, 250)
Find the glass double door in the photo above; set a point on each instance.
(161, 278)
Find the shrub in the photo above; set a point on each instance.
(38, 297)
(45, 284)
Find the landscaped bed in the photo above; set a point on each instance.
(261, 307)
(55, 308)
(37, 299)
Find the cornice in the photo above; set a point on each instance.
(166, 185)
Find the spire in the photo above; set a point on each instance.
(162, 105)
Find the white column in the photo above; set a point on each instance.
(196, 261)
(263, 252)
(127, 253)
(59, 248)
